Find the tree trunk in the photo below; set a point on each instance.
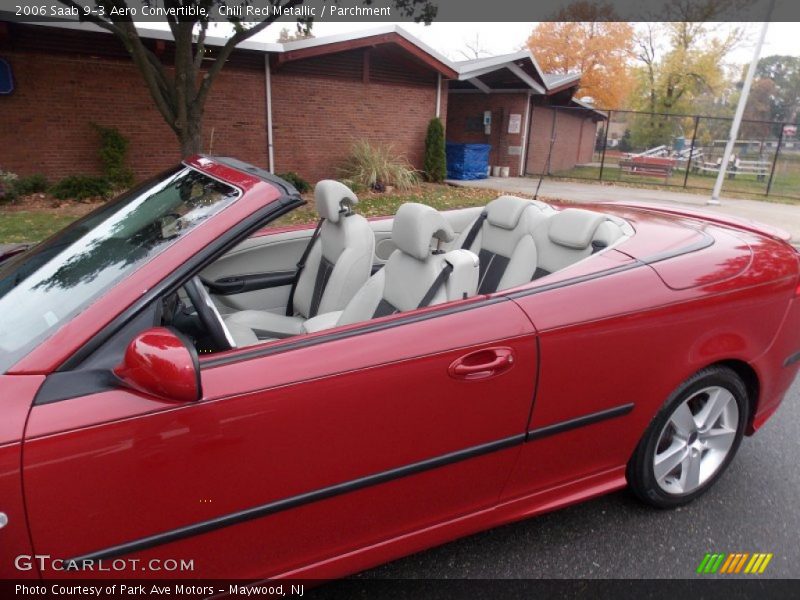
(191, 139)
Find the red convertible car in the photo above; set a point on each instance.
(184, 381)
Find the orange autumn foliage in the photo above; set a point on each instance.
(598, 50)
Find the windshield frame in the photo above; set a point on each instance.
(50, 252)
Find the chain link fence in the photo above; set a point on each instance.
(682, 151)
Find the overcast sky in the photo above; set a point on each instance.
(500, 38)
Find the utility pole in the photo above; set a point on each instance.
(737, 118)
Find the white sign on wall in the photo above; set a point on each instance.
(514, 123)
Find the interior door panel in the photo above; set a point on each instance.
(384, 246)
(259, 255)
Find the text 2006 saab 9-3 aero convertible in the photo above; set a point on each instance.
(181, 379)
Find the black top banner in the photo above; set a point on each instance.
(382, 11)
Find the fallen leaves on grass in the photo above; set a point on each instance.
(372, 204)
(38, 217)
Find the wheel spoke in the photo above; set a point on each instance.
(719, 439)
(683, 421)
(691, 472)
(667, 461)
(717, 401)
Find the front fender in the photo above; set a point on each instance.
(17, 396)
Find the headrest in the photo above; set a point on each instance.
(574, 227)
(505, 211)
(328, 196)
(414, 227)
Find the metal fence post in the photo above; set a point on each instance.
(605, 146)
(775, 160)
(691, 151)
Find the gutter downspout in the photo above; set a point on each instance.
(438, 95)
(523, 156)
(268, 93)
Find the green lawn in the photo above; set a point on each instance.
(30, 226)
(35, 225)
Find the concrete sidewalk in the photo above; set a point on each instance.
(784, 216)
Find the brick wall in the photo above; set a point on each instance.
(317, 113)
(588, 140)
(46, 121)
(574, 135)
(464, 109)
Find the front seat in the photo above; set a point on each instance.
(338, 263)
(502, 237)
(572, 235)
(415, 275)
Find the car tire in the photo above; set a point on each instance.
(692, 439)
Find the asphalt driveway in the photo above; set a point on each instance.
(753, 508)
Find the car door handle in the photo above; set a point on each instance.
(482, 364)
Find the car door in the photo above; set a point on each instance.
(298, 452)
(596, 384)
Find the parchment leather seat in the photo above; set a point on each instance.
(338, 264)
(502, 237)
(571, 235)
(409, 277)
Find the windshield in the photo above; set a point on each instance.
(45, 287)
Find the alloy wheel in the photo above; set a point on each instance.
(696, 440)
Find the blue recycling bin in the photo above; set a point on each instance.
(467, 161)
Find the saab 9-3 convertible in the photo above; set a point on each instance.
(183, 378)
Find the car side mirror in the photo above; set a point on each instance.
(159, 362)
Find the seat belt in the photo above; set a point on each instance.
(436, 285)
(473, 232)
(302, 265)
(598, 245)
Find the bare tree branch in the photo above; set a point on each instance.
(229, 46)
(180, 90)
(473, 48)
(91, 18)
(139, 54)
(200, 50)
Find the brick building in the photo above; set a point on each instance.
(526, 109)
(296, 106)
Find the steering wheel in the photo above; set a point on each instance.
(208, 313)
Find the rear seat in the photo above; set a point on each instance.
(502, 237)
(569, 236)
